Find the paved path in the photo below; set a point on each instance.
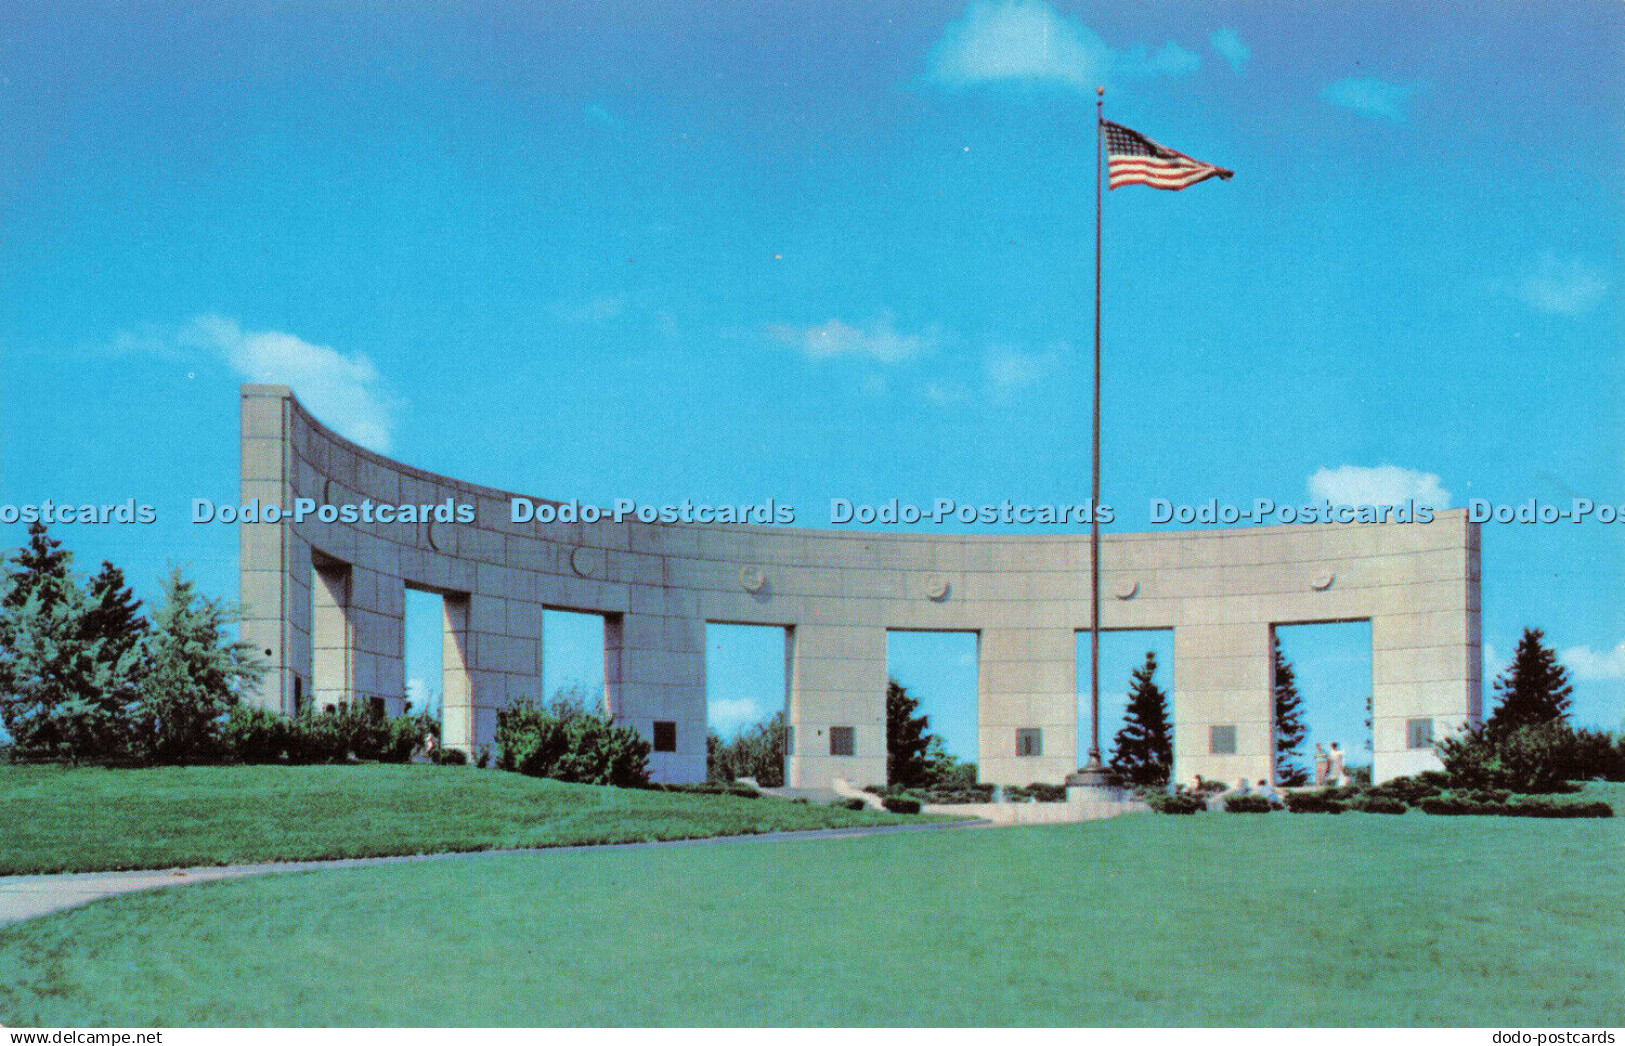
(29, 896)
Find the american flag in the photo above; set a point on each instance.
(1134, 159)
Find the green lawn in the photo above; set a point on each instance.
(1215, 919)
(56, 819)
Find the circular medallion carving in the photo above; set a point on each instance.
(586, 562)
(1126, 589)
(751, 579)
(433, 536)
(1321, 582)
(327, 491)
(937, 587)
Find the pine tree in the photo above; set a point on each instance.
(1143, 752)
(66, 696)
(113, 613)
(907, 739)
(41, 564)
(1290, 729)
(1534, 689)
(195, 675)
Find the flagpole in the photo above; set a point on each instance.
(1091, 776)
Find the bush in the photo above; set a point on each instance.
(449, 757)
(255, 735)
(953, 795)
(756, 752)
(407, 735)
(1596, 755)
(1039, 792)
(1247, 804)
(847, 803)
(1553, 808)
(1456, 805)
(901, 804)
(1408, 790)
(1178, 803)
(1531, 759)
(1314, 802)
(1376, 804)
(733, 788)
(321, 737)
(566, 742)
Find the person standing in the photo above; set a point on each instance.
(1323, 765)
(1339, 778)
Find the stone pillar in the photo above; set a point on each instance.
(456, 680)
(276, 615)
(1224, 678)
(838, 683)
(654, 672)
(1027, 680)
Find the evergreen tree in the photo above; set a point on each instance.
(1534, 689)
(1143, 752)
(907, 739)
(65, 696)
(112, 612)
(41, 564)
(195, 675)
(1290, 729)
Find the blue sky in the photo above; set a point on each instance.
(729, 251)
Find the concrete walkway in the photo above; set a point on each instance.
(29, 896)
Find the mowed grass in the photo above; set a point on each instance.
(91, 819)
(1144, 920)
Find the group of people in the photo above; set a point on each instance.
(1329, 772)
(1329, 767)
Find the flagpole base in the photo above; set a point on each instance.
(1092, 783)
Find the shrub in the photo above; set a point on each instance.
(1247, 804)
(1313, 803)
(848, 803)
(407, 734)
(1554, 808)
(567, 742)
(901, 804)
(449, 757)
(255, 735)
(1539, 759)
(756, 751)
(1178, 803)
(733, 788)
(1376, 804)
(1406, 790)
(953, 795)
(1039, 792)
(1596, 755)
(321, 737)
(1455, 805)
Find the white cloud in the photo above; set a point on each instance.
(1492, 661)
(878, 340)
(342, 390)
(1009, 370)
(1371, 96)
(1567, 287)
(1588, 664)
(1028, 41)
(728, 715)
(1382, 485)
(1228, 43)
